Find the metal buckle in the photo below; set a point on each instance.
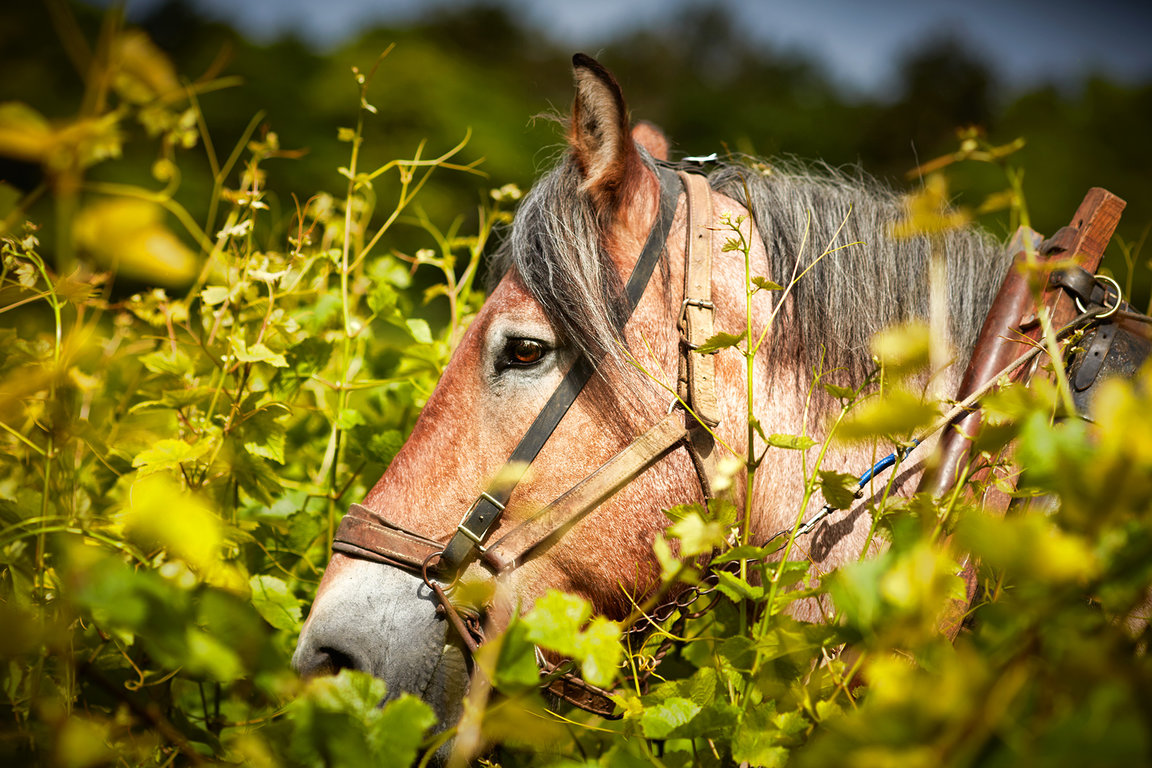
(1119, 298)
(469, 534)
(690, 301)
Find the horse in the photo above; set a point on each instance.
(562, 303)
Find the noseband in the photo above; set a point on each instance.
(366, 534)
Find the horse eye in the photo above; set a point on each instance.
(523, 352)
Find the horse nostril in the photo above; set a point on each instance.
(335, 660)
(324, 660)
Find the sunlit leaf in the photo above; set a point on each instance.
(838, 488)
(896, 415)
(257, 353)
(791, 442)
(600, 651)
(660, 720)
(168, 454)
(719, 341)
(555, 621)
(130, 237)
(275, 602)
(903, 349)
(143, 72)
(765, 284)
(697, 536)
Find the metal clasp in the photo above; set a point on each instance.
(460, 528)
(1119, 298)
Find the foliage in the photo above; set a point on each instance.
(188, 401)
(186, 409)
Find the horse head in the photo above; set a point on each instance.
(568, 301)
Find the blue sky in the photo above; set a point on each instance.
(1026, 41)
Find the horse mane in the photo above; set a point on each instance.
(555, 246)
(851, 294)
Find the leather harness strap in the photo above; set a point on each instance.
(698, 380)
(1011, 321)
(556, 518)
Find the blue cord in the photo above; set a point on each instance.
(877, 468)
(886, 462)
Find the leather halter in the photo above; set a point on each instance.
(368, 535)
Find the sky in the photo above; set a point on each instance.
(859, 41)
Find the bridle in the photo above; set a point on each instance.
(368, 535)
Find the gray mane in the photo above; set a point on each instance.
(853, 293)
(555, 247)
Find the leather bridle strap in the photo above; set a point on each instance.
(697, 388)
(555, 519)
(481, 518)
(366, 535)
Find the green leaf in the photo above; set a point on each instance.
(261, 432)
(208, 655)
(214, 294)
(397, 732)
(756, 740)
(600, 651)
(719, 341)
(740, 553)
(169, 454)
(419, 329)
(737, 589)
(257, 353)
(165, 360)
(556, 620)
(855, 589)
(515, 664)
(903, 349)
(382, 299)
(350, 418)
(660, 720)
(765, 284)
(898, 414)
(791, 442)
(846, 394)
(275, 602)
(838, 488)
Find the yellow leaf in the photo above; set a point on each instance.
(902, 349)
(130, 236)
(927, 211)
(161, 513)
(24, 133)
(145, 72)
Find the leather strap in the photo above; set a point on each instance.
(364, 534)
(555, 519)
(697, 311)
(482, 518)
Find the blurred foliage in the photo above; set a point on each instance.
(213, 340)
(481, 66)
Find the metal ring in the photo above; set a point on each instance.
(1119, 298)
(428, 579)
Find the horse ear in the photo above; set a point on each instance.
(649, 136)
(598, 132)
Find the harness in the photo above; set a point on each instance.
(1111, 346)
